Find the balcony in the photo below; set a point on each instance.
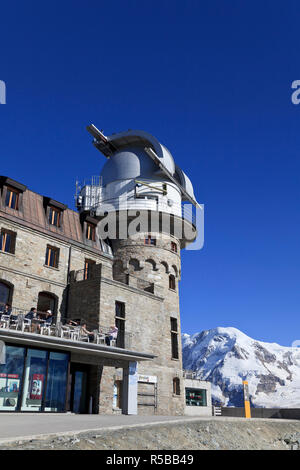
(77, 330)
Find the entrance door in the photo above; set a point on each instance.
(78, 392)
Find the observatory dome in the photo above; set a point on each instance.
(128, 163)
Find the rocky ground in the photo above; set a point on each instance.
(211, 434)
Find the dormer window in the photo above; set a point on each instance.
(54, 216)
(12, 198)
(90, 231)
(54, 212)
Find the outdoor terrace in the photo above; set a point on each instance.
(65, 328)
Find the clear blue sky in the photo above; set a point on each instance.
(212, 81)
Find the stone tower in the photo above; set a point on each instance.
(139, 205)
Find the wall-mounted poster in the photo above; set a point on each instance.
(36, 389)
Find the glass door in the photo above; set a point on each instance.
(79, 397)
(34, 380)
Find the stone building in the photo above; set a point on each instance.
(113, 262)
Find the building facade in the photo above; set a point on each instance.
(54, 258)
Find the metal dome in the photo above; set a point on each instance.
(128, 163)
(128, 158)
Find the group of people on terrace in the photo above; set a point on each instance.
(46, 319)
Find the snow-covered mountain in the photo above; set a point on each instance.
(226, 356)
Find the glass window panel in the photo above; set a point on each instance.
(79, 394)
(4, 293)
(34, 382)
(195, 397)
(57, 382)
(11, 374)
(11, 199)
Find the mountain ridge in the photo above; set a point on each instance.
(225, 356)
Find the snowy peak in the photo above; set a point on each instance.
(226, 357)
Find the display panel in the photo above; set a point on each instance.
(195, 397)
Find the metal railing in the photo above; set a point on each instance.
(189, 374)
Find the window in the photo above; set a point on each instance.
(54, 216)
(176, 386)
(34, 380)
(194, 397)
(6, 293)
(47, 301)
(11, 375)
(120, 323)
(172, 284)
(150, 240)
(7, 241)
(12, 198)
(88, 264)
(174, 338)
(174, 247)
(90, 231)
(52, 256)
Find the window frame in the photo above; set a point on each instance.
(174, 338)
(90, 231)
(120, 323)
(172, 282)
(148, 241)
(53, 211)
(174, 247)
(87, 268)
(12, 243)
(10, 189)
(49, 250)
(176, 386)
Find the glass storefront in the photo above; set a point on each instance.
(195, 397)
(57, 382)
(33, 380)
(11, 376)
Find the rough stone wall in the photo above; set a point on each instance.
(148, 315)
(26, 269)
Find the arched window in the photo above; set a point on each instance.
(135, 264)
(151, 263)
(6, 292)
(47, 301)
(172, 283)
(165, 265)
(176, 386)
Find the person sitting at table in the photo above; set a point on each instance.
(112, 334)
(49, 318)
(5, 310)
(84, 331)
(34, 318)
(32, 314)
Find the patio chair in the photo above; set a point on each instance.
(17, 324)
(26, 325)
(5, 321)
(65, 332)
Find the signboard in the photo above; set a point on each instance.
(36, 389)
(151, 379)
